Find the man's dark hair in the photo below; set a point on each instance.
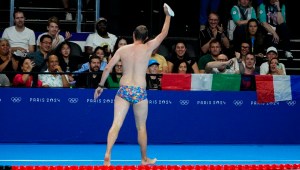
(45, 36)
(18, 11)
(141, 33)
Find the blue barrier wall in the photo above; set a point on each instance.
(72, 116)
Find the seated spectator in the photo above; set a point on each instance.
(271, 53)
(20, 37)
(53, 31)
(8, 63)
(255, 38)
(53, 79)
(121, 41)
(275, 68)
(153, 78)
(214, 31)
(26, 79)
(272, 15)
(4, 81)
(182, 67)
(221, 66)
(249, 62)
(214, 51)
(100, 38)
(113, 80)
(100, 52)
(163, 64)
(39, 57)
(248, 75)
(91, 77)
(241, 55)
(66, 60)
(180, 53)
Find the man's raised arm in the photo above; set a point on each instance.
(165, 29)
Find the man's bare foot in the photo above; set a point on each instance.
(106, 160)
(149, 161)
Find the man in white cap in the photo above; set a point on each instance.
(100, 38)
(135, 58)
(271, 53)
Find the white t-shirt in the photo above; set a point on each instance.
(264, 68)
(94, 40)
(19, 39)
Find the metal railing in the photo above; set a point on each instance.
(79, 11)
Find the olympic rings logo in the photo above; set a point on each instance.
(238, 102)
(184, 102)
(73, 100)
(291, 102)
(16, 99)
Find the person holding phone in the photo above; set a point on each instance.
(276, 68)
(265, 67)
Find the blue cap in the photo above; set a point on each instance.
(152, 61)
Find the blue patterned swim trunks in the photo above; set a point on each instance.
(132, 94)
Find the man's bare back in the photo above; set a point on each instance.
(135, 58)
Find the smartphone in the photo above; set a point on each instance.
(278, 66)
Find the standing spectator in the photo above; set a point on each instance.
(53, 31)
(91, 77)
(20, 37)
(180, 53)
(54, 79)
(271, 53)
(100, 38)
(214, 31)
(25, 79)
(8, 63)
(272, 15)
(207, 6)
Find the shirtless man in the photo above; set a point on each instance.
(135, 58)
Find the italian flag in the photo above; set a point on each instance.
(201, 82)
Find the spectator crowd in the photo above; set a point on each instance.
(244, 41)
